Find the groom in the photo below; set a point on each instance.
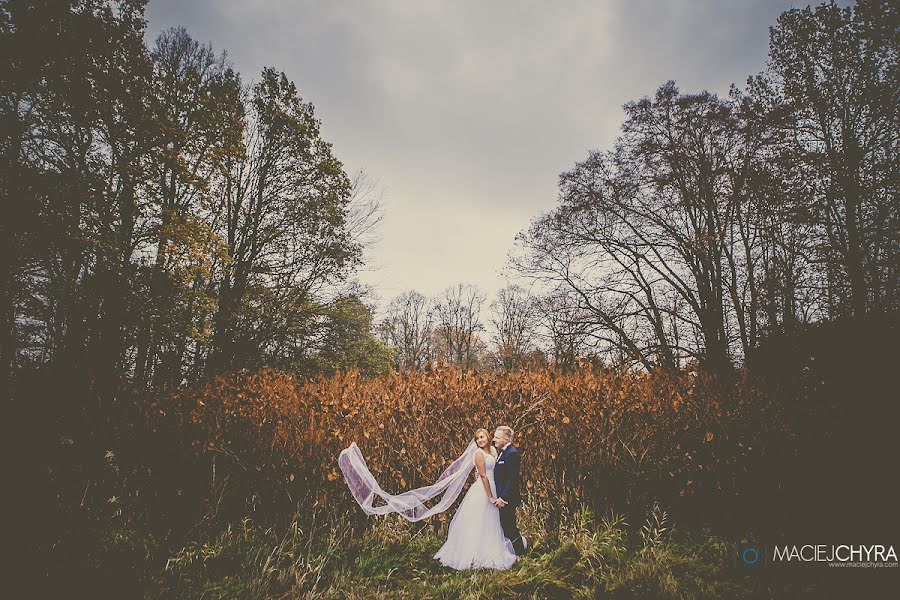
(506, 480)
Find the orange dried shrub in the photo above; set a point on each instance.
(586, 436)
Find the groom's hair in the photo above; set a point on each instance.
(507, 431)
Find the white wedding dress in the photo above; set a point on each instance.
(476, 539)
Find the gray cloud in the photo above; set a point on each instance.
(467, 111)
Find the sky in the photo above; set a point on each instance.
(463, 113)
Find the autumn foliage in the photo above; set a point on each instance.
(587, 437)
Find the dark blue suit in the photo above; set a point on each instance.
(506, 480)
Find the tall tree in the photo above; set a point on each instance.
(457, 323)
(407, 326)
(641, 234)
(680, 210)
(198, 103)
(836, 71)
(79, 100)
(282, 213)
(566, 328)
(348, 340)
(515, 321)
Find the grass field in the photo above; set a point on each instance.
(584, 557)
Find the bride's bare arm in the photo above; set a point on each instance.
(479, 466)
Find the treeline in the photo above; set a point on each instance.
(715, 222)
(162, 219)
(712, 224)
(424, 332)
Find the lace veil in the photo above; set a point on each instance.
(410, 504)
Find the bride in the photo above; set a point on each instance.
(475, 538)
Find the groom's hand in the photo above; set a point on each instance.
(500, 503)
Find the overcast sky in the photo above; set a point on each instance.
(464, 111)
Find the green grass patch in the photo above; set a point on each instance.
(583, 557)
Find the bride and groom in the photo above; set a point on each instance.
(483, 532)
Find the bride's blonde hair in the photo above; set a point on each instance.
(488, 434)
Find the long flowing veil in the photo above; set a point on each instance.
(409, 504)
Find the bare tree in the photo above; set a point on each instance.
(457, 323)
(644, 236)
(583, 251)
(565, 327)
(365, 210)
(515, 320)
(408, 327)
